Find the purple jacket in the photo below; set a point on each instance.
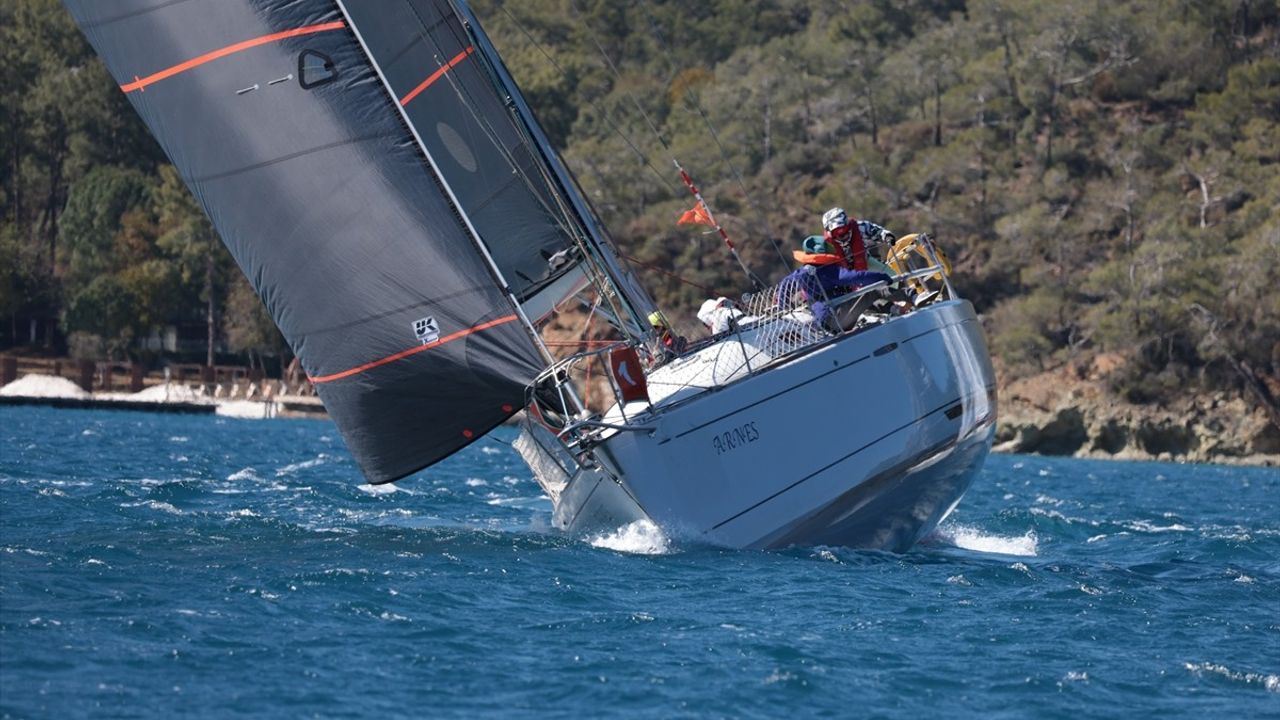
(820, 283)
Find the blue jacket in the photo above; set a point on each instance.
(820, 283)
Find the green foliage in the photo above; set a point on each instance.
(247, 325)
(1028, 326)
(91, 220)
(104, 309)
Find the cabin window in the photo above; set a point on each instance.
(315, 69)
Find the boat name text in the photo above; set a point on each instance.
(739, 436)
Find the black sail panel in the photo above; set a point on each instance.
(282, 129)
(474, 135)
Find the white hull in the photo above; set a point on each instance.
(868, 440)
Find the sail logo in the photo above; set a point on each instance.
(426, 329)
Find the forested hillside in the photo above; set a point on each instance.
(1105, 175)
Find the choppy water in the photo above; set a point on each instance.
(153, 565)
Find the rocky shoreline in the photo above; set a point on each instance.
(1069, 412)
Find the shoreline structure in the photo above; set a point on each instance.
(1050, 416)
(249, 401)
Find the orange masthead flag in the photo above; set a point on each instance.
(697, 216)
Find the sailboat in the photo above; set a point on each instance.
(378, 176)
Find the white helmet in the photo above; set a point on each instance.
(834, 218)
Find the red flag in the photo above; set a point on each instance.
(697, 216)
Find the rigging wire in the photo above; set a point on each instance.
(691, 99)
(651, 266)
(683, 175)
(560, 213)
(661, 140)
(611, 276)
(594, 106)
(563, 217)
(768, 231)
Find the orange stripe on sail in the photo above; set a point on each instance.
(140, 83)
(411, 351)
(436, 76)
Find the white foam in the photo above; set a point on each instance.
(1074, 676)
(641, 537)
(1267, 681)
(295, 467)
(154, 505)
(48, 386)
(1148, 526)
(532, 501)
(974, 539)
(386, 489)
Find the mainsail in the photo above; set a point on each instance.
(484, 142)
(365, 256)
(472, 137)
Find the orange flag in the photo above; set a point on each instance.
(697, 216)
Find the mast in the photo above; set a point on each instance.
(632, 295)
(453, 198)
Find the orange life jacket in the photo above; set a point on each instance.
(805, 258)
(858, 249)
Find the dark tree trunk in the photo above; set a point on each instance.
(937, 112)
(209, 306)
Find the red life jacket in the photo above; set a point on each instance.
(857, 258)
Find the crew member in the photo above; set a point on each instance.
(719, 315)
(850, 238)
(671, 343)
(824, 275)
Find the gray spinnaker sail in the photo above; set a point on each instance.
(284, 132)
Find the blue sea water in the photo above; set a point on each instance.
(153, 565)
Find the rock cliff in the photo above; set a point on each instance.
(1070, 411)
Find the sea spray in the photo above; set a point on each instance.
(641, 537)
